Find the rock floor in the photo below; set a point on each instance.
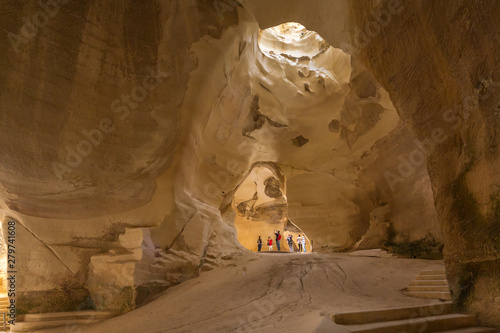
(282, 293)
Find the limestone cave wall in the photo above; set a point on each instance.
(447, 90)
(126, 129)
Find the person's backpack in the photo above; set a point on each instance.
(279, 237)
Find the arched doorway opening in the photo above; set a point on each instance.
(261, 208)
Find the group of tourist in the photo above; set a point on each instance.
(301, 242)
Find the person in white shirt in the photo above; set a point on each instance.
(289, 239)
(299, 243)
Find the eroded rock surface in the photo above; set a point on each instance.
(447, 90)
(123, 117)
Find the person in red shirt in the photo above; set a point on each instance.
(269, 243)
(278, 239)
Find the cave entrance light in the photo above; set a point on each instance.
(291, 40)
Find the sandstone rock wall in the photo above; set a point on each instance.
(119, 116)
(88, 144)
(443, 78)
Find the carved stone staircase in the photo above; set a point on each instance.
(60, 321)
(431, 285)
(419, 319)
(4, 317)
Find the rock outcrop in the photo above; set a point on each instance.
(378, 233)
(443, 78)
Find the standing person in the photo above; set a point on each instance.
(278, 239)
(290, 242)
(299, 243)
(269, 243)
(304, 243)
(259, 244)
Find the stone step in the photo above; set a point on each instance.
(376, 253)
(433, 272)
(119, 255)
(429, 294)
(429, 283)
(153, 268)
(161, 261)
(471, 330)
(431, 277)
(54, 316)
(428, 288)
(414, 325)
(39, 325)
(372, 316)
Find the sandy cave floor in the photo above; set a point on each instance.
(282, 292)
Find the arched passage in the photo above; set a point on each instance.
(295, 101)
(261, 208)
